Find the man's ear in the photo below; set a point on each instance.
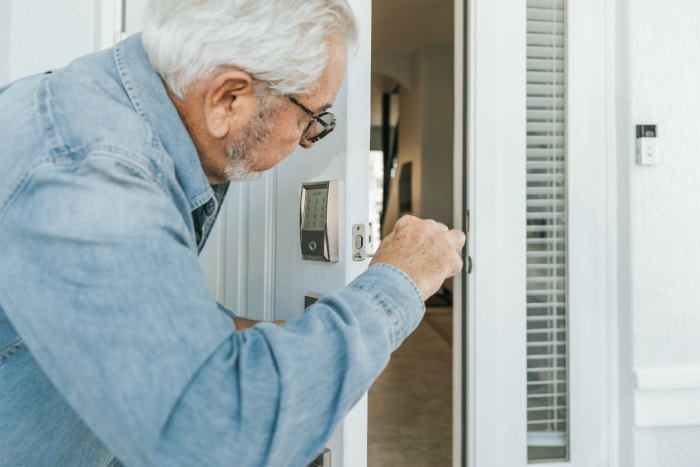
(229, 103)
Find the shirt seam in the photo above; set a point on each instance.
(147, 171)
(10, 351)
(53, 139)
(132, 91)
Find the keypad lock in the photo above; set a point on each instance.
(318, 221)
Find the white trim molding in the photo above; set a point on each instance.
(109, 23)
(667, 396)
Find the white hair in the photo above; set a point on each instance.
(281, 42)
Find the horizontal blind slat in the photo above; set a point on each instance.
(551, 381)
(545, 64)
(548, 128)
(535, 89)
(547, 16)
(548, 4)
(545, 39)
(535, 319)
(539, 115)
(543, 51)
(545, 153)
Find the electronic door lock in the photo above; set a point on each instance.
(318, 221)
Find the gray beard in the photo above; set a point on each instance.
(240, 169)
(243, 153)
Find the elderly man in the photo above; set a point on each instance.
(112, 172)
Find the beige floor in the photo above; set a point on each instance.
(410, 405)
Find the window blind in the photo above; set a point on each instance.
(547, 336)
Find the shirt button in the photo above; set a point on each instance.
(209, 208)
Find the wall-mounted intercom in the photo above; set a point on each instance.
(647, 145)
(318, 223)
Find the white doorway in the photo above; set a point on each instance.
(410, 410)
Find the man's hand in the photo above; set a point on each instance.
(427, 251)
(245, 323)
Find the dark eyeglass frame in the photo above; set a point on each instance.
(316, 118)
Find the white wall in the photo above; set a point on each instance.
(39, 35)
(658, 68)
(409, 146)
(425, 137)
(5, 15)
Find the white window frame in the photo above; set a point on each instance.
(491, 120)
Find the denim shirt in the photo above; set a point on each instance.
(112, 350)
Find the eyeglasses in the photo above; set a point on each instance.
(319, 126)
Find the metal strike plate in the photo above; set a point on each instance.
(310, 298)
(323, 459)
(359, 239)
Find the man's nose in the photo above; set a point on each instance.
(305, 143)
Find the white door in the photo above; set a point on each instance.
(40, 35)
(513, 105)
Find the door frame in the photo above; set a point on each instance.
(489, 401)
(490, 141)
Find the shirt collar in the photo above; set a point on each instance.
(150, 99)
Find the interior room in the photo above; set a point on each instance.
(410, 405)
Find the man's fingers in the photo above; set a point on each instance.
(426, 250)
(245, 323)
(457, 238)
